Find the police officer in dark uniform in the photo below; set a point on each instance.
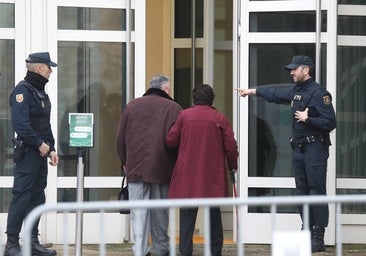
(313, 119)
(30, 111)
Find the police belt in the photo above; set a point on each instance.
(301, 142)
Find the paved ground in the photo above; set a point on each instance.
(228, 250)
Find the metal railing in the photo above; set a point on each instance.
(206, 203)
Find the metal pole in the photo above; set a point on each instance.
(318, 43)
(129, 87)
(193, 40)
(79, 198)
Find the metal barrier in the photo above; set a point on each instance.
(206, 203)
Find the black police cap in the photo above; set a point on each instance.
(299, 60)
(40, 57)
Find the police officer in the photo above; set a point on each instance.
(313, 119)
(30, 111)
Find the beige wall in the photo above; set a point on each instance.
(158, 39)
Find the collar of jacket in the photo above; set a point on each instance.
(36, 80)
(306, 82)
(156, 91)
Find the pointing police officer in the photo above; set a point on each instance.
(30, 113)
(313, 119)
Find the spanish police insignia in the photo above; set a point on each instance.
(19, 98)
(326, 100)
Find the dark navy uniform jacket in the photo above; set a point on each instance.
(31, 109)
(308, 94)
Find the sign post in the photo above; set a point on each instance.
(80, 136)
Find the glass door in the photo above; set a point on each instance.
(268, 37)
(202, 53)
(96, 74)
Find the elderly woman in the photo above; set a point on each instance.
(207, 149)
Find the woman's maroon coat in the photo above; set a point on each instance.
(207, 150)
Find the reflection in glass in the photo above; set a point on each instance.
(223, 20)
(360, 2)
(7, 15)
(352, 25)
(223, 81)
(256, 192)
(90, 80)
(285, 22)
(183, 18)
(351, 112)
(182, 75)
(90, 194)
(270, 125)
(223, 58)
(5, 198)
(7, 70)
(356, 208)
(91, 18)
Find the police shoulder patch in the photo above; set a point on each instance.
(327, 100)
(19, 98)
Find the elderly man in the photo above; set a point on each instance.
(147, 161)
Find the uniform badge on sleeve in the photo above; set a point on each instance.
(326, 100)
(19, 98)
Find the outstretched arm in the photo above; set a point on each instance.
(246, 92)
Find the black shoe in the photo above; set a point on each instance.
(317, 241)
(12, 247)
(39, 250)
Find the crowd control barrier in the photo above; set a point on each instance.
(205, 203)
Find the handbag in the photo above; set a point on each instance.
(123, 195)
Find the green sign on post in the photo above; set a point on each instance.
(81, 129)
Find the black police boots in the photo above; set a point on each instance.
(317, 239)
(39, 250)
(12, 247)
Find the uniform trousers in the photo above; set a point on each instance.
(310, 169)
(145, 221)
(187, 224)
(30, 180)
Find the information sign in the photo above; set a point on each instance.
(81, 129)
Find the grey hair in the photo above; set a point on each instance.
(31, 66)
(158, 81)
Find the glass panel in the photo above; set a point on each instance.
(91, 18)
(270, 125)
(257, 192)
(7, 15)
(90, 194)
(223, 59)
(223, 80)
(7, 70)
(285, 22)
(5, 198)
(183, 18)
(223, 20)
(355, 208)
(182, 75)
(351, 112)
(352, 25)
(361, 2)
(91, 79)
